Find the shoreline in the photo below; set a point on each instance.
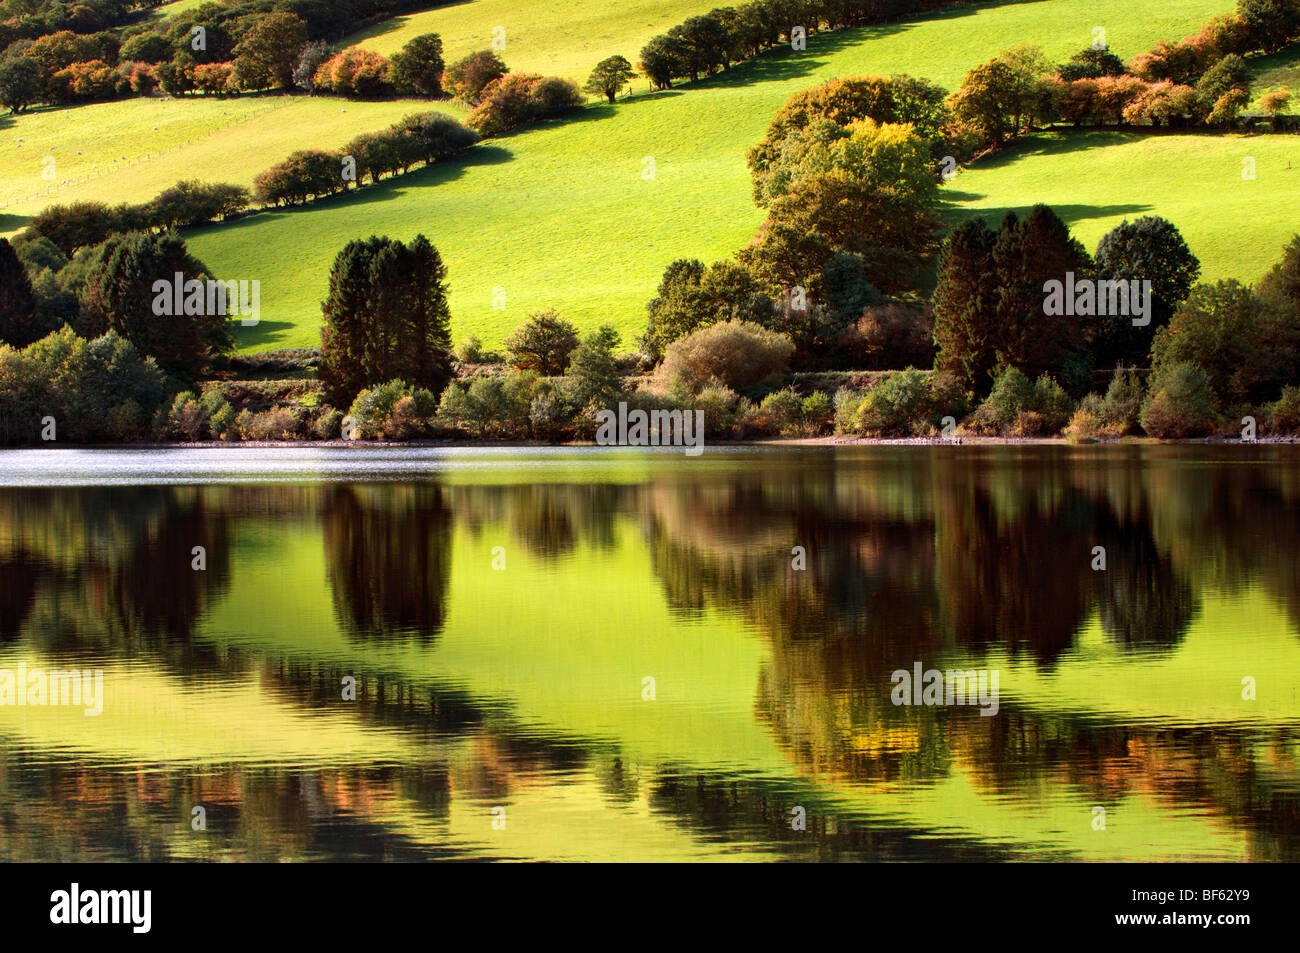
(826, 441)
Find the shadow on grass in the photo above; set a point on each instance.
(782, 63)
(11, 223)
(268, 333)
(385, 190)
(394, 24)
(955, 215)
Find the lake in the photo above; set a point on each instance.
(616, 654)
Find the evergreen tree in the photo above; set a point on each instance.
(386, 317)
(1026, 255)
(964, 303)
(120, 295)
(18, 324)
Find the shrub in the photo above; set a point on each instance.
(493, 405)
(1121, 409)
(1284, 413)
(516, 99)
(1088, 421)
(723, 410)
(1180, 403)
(328, 424)
(542, 343)
(1018, 407)
(895, 407)
(780, 412)
(278, 423)
(736, 353)
(817, 412)
(393, 411)
(467, 77)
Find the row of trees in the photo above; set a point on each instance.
(267, 51)
(423, 138)
(58, 231)
(711, 42)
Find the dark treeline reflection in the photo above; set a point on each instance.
(388, 549)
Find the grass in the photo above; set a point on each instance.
(131, 150)
(1280, 70)
(1094, 180)
(561, 216)
(564, 39)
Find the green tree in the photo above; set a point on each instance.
(965, 299)
(1001, 97)
(418, 67)
(609, 76)
(663, 59)
(18, 325)
(1152, 249)
(593, 375)
(385, 318)
(691, 296)
(1091, 64)
(268, 52)
(129, 289)
(542, 343)
(1027, 254)
(21, 83)
(1271, 23)
(1227, 74)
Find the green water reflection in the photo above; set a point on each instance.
(523, 687)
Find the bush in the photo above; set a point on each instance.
(737, 353)
(96, 390)
(1121, 409)
(1021, 408)
(499, 405)
(1180, 403)
(278, 423)
(895, 407)
(542, 343)
(516, 99)
(1284, 413)
(393, 411)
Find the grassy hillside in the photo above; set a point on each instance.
(562, 216)
(1280, 70)
(561, 39)
(131, 150)
(559, 215)
(1095, 180)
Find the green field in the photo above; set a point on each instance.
(131, 150)
(1279, 70)
(559, 40)
(1094, 180)
(561, 216)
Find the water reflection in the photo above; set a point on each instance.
(768, 595)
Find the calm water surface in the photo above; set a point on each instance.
(507, 614)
